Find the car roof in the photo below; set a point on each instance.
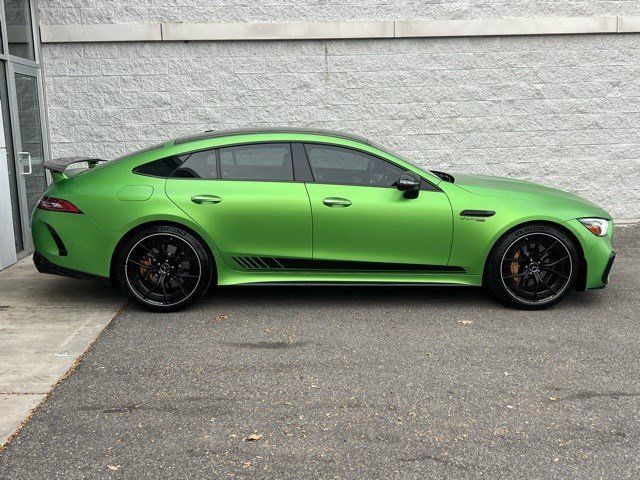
(208, 134)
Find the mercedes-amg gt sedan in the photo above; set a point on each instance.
(310, 207)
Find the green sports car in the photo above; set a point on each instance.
(310, 207)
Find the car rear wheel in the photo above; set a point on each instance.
(533, 267)
(164, 268)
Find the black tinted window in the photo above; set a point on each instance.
(159, 168)
(198, 165)
(331, 164)
(269, 161)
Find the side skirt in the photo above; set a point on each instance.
(348, 283)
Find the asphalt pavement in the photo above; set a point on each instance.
(330, 382)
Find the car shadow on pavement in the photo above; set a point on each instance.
(376, 296)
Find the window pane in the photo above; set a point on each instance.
(198, 165)
(159, 168)
(31, 136)
(19, 31)
(331, 164)
(257, 162)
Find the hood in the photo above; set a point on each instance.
(521, 190)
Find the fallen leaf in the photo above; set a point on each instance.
(466, 322)
(553, 399)
(254, 437)
(113, 468)
(219, 318)
(247, 464)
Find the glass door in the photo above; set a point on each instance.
(28, 144)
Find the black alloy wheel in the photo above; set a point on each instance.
(165, 268)
(533, 267)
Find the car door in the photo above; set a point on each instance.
(361, 221)
(246, 198)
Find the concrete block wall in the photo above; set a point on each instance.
(194, 11)
(559, 110)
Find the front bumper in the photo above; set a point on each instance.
(607, 269)
(598, 255)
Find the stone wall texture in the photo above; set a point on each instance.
(146, 11)
(563, 110)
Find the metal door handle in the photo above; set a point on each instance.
(30, 170)
(336, 202)
(199, 199)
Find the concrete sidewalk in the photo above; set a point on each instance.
(46, 323)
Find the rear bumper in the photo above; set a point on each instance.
(43, 265)
(73, 242)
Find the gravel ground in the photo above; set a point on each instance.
(352, 383)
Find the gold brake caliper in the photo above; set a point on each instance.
(514, 267)
(144, 271)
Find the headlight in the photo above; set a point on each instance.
(598, 226)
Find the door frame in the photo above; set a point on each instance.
(23, 66)
(17, 147)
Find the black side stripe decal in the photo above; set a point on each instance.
(279, 263)
(477, 213)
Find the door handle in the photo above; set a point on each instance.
(336, 202)
(30, 170)
(199, 199)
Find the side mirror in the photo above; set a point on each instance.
(409, 183)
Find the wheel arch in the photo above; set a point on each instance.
(581, 280)
(113, 269)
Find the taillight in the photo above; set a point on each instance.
(57, 205)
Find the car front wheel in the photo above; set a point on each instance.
(164, 268)
(533, 267)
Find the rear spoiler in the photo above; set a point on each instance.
(59, 165)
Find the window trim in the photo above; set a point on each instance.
(301, 167)
(425, 184)
(298, 177)
(218, 165)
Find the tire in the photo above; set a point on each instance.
(164, 268)
(533, 267)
